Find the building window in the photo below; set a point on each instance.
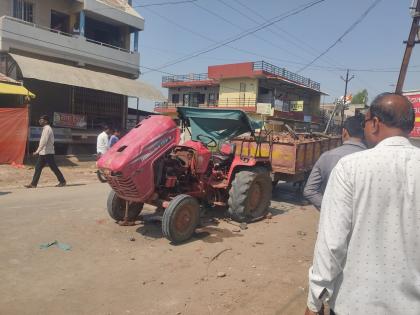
(242, 87)
(23, 10)
(211, 99)
(201, 98)
(175, 98)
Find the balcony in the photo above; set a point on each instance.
(247, 105)
(193, 79)
(267, 68)
(18, 35)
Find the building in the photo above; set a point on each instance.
(135, 116)
(80, 58)
(349, 111)
(243, 86)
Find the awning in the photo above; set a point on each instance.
(6, 88)
(59, 73)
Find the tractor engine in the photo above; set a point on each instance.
(176, 172)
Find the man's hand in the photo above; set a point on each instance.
(35, 153)
(309, 312)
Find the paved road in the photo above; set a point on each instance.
(106, 273)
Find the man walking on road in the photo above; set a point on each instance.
(367, 254)
(102, 143)
(45, 154)
(352, 136)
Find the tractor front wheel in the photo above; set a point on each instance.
(116, 208)
(180, 218)
(250, 194)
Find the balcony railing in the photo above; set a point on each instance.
(249, 104)
(65, 34)
(282, 72)
(185, 77)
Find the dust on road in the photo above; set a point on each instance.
(134, 270)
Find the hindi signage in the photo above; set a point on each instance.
(70, 121)
(264, 109)
(415, 100)
(296, 106)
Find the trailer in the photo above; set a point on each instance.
(292, 156)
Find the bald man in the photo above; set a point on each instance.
(367, 254)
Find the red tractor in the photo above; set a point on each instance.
(148, 165)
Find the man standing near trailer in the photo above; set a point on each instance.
(352, 136)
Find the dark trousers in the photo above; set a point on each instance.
(40, 164)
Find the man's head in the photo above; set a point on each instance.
(352, 128)
(117, 132)
(389, 115)
(44, 120)
(106, 129)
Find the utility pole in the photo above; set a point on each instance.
(347, 80)
(409, 46)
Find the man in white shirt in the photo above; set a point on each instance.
(102, 143)
(45, 154)
(367, 254)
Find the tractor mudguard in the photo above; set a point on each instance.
(237, 163)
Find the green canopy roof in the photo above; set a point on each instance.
(219, 124)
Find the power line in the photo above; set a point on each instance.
(245, 33)
(266, 41)
(347, 31)
(200, 35)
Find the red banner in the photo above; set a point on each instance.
(13, 134)
(415, 100)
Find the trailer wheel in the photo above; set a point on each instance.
(250, 194)
(116, 208)
(181, 218)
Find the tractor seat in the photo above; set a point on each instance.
(226, 152)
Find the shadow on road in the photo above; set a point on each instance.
(288, 193)
(5, 193)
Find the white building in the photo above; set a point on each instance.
(80, 58)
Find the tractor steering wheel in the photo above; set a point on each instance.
(210, 144)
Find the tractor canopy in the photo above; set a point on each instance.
(219, 124)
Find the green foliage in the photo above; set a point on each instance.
(360, 97)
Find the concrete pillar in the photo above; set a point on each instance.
(82, 23)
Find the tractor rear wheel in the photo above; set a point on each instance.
(250, 194)
(116, 207)
(181, 218)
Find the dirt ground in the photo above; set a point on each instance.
(134, 270)
(74, 169)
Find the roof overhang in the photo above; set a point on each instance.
(115, 10)
(32, 68)
(14, 89)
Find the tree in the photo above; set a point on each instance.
(360, 97)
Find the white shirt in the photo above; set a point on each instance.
(46, 143)
(102, 143)
(367, 255)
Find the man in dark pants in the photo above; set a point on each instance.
(352, 136)
(45, 154)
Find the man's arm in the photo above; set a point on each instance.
(332, 242)
(312, 191)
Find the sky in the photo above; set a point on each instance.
(372, 50)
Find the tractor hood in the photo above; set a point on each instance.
(219, 124)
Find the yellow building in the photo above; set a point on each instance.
(243, 86)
